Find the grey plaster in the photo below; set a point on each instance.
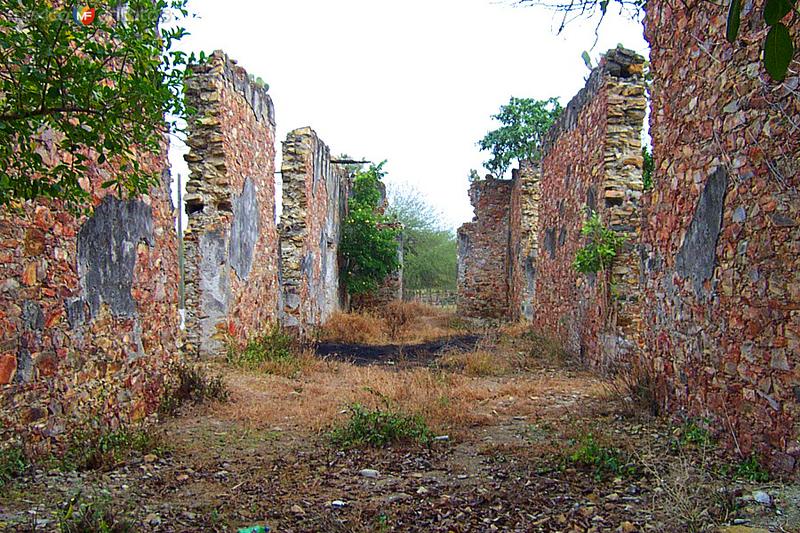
(244, 230)
(697, 257)
(215, 290)
(107, 253)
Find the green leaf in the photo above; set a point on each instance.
(778, 51)
(734, 20)
(775, 10)
(586, 59)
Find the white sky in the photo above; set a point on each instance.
(411, 81)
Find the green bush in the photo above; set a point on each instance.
(102, 449)
(648, 166)
(600, 250)
(379, 428)
(274, 346)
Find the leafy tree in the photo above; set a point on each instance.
(368, 247)
(97, 92)
(429, 250)
(525, 123)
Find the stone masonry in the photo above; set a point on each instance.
(88, 309)
(592, 163)
(524, 240)
(315, 193)
(483, 251)
(721, 236)
(232, 288)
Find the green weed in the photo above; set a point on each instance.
(272, 352)
(94, 449)
(603, 460)
(751, 469)
(93, 517)
(13, 463)
(379, 428)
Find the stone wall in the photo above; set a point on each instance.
(721, 240)
(88, 309)
(315, 193)
(231, 242)
(593, 163)
(483, 251)
(524, 240)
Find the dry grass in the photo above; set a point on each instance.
(478, 363)
(449, 402)
(354, 328)
(404, 322)
(635, 388)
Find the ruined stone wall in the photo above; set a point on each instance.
(231, 241)
(721, 239)
(483, 251)
(592, 163)
(88, 309)
(524, 240)
(315, 193)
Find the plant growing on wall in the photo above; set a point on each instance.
(368, 247)
(525, 123)
(601, 247)
(648, 165)
(94, 84)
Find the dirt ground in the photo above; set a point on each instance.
(522, 449)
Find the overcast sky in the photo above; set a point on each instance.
(411, 81)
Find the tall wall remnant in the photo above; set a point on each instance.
(315, 193)
(592, 163)
(231, 239)
(88, 309)
(721, 236)
(516, 257)
(483, 251)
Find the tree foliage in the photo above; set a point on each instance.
(429, 249)
(368, 247)
(98, 93)
(648, 166)
(525, 123)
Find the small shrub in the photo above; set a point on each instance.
(600, 250)
(751, 469)
(92, 517)
(13, 463)
(398, 317)
(692, 434)
(603, 460)
(96, 449)
(636, 387)
(379, 427)
(191, 383)
(274, 352)
(354, 328)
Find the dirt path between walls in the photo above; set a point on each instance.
(541, 448)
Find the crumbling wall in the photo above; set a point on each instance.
(231, 241)
(483, 251)
(593, 163)
(524, 240)
(721, 239)
(88, 309)
(315, 195)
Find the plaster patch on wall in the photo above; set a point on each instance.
(107, 253)
(244, 230)
(215, 290)
(698, 253)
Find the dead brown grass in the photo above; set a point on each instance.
(477, 363)
(403, 322)
(449, 402)
(354, 328)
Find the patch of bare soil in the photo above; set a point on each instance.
(540, 449)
